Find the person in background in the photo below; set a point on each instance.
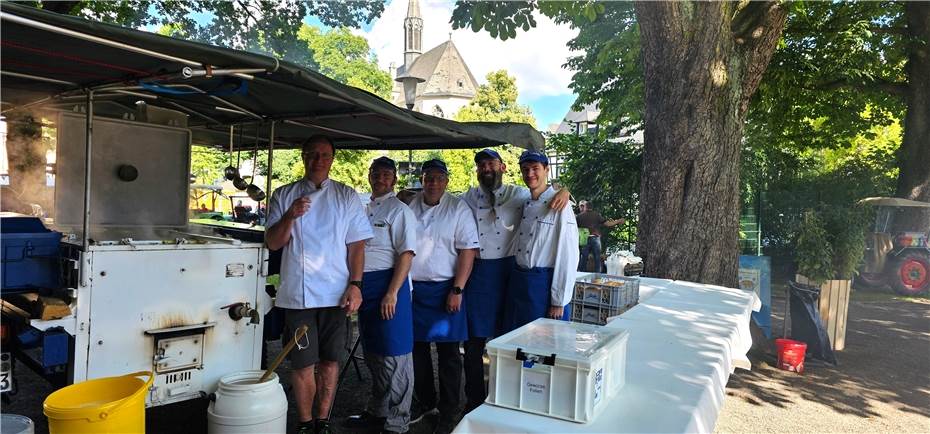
(592, 220)
(498, 209)
(322, 227)
(447, 242)
(546, 253)
(386, 315)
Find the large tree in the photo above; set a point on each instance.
(701, 63)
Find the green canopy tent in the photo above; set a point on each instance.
(52, 61)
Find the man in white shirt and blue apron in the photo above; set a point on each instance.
(447, 241)
(545, 252)
(322, 227)
(498, 209)
(386, 315)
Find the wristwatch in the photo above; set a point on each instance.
(357, 283)
(456, 290)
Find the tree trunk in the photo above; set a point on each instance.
(914, 153)
(702, 63)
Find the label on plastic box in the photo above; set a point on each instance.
(598, 385)
(536, 388)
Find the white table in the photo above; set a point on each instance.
(685, 341)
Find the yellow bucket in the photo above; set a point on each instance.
(104, 405)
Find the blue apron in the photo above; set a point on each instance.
(393, 337)
(431, 322)
(484, 294)
(528, 297)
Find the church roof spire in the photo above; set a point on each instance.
(413, 9)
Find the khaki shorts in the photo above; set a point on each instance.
(328, 335)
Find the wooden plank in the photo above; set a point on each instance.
(844, 310)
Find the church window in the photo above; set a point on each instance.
(461, 83)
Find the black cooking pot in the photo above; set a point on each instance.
(231, 173)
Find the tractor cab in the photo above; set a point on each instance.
(897, 250)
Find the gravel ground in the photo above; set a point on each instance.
(882, 383)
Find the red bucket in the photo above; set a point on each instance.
(791, 355)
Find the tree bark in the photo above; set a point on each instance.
(702, 61)
(914, 153)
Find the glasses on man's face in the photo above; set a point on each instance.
(317, 155)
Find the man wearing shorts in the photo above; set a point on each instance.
(322, 227)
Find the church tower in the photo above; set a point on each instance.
(413, 33)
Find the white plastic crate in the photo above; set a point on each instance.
(607, 290)
(556, 368)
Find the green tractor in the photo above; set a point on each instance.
(897, 251)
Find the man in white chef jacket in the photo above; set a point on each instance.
(545, 252)
(322, 227)
(386, 315)
(447, 241)
(498, 209)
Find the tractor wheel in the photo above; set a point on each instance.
(910, 273)
(869, 280)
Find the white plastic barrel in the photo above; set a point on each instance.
(16, 424)
(244, 406)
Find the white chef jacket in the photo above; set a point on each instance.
(549, 239)
(442, 230)
(314, 264)
(496, 225)
(395, 232)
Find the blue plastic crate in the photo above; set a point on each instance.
(30, 259)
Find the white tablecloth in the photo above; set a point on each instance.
(685, 341)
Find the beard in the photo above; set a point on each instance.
(490, 181)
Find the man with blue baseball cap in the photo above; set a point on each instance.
(498, 210)
(447, 242)
(386, 315)
(545, 252)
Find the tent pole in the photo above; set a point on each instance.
(268, 176)
(88, 158)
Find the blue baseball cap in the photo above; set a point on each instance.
(384, 162)
(436, 164)
(529, 156)
(488, 153)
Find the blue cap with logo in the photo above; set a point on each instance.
(530, 155)
(435, 164)
(486, 154)
(384, 162)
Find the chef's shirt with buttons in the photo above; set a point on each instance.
(497, 224)
(549, 239)
(314, 263)
(442, 230)
(394, 227)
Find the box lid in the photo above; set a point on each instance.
(565, 339)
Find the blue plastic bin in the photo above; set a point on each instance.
(30, 258)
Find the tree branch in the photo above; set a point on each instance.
(748, 17)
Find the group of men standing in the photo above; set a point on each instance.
(441, 270)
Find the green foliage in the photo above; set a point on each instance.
(351, 168)
(496, 101)
(268, 27)
(846, 232)
(207, 165)
(834, 75)
(830, 242)
(605, 172)
(346, 58)
(813, 253)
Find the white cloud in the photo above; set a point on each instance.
(534, 57)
